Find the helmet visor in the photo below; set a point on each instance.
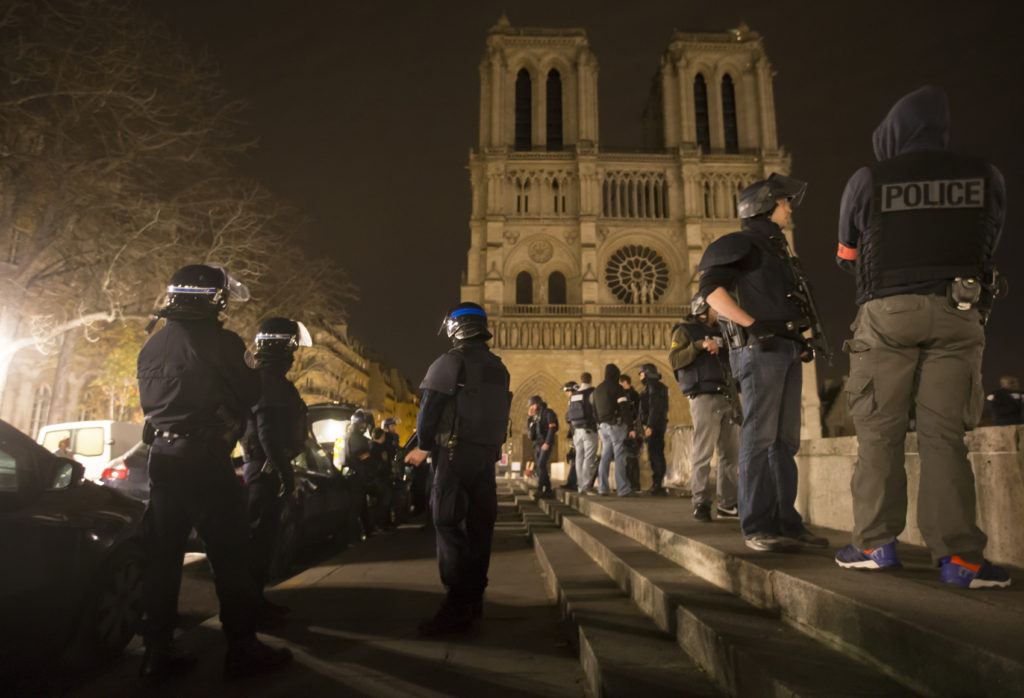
(235, 288)
(783, 187)
(303, 338)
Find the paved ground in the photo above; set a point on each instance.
(353, 631)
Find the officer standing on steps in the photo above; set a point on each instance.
(274, 435)
(615, 417)
(542, 426)
(463, 419)
(764, 324)
(582, 419)
(570, 455)
(705, 378)
(653, 419)
(634, 442)
(195, 391)
(919, 229)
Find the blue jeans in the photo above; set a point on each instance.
(771, 383)
(585, 442)
(613, 437)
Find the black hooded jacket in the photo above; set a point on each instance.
(611, 404)
(916, 130)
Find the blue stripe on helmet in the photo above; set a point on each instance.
(468, 311)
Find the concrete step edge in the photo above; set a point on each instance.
(729, 646)
(622, 652)
(870, 635)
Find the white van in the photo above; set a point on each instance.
(94, 443)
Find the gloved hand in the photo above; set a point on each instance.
(763, 335)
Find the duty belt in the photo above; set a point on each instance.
(169, 435)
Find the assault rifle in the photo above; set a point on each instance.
(804, 299)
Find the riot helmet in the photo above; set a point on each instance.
(571, 387)
(465, 321)
(649, 371)
(202, 289)
(279, 336)
(362, 419)
(699, 305)
(761, 197)
(389, 422)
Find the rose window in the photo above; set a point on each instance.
(636, 274)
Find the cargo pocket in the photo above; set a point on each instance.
(860, 395)
(975, 402)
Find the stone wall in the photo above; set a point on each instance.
(826, 466)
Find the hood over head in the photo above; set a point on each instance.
(918, 121)
(612, 373)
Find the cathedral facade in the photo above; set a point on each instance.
(582, 255)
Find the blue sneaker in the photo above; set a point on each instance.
(955, 570)
(875, 559)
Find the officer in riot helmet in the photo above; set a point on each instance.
(542, 426)
(700, 361)
(196, 391)
(274, 435)
(357, 460)
(748, 279)
(463, 420)
(392, 442)
(919, 231)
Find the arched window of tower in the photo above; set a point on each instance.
(524, 288)
(524, 107)
(556, 288)
(700, 108)
(554, 114)
(556, 195)
(732, 144)
(636, 274)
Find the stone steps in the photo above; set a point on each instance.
(747, 650)
(622, 651)
(928, 637)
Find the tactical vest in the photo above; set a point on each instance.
(581, 410)
(763, 290)
(704, 375)
(930, 221)
(482, 402)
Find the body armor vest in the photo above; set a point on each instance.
(930, 221)
(705, 374)
(581, 410)
(762, 291)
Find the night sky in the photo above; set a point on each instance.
(366, 111)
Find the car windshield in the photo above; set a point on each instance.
(8, 473)
(89, 441)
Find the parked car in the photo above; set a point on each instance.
(129, 472)
(94, 443)
(328, 422)
(72, 554)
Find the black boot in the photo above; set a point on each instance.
(451, 618)
(162, 660)
(250, 657)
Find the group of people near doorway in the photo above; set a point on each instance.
(918, 230)
(618, 416)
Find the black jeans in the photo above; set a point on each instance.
(656, 454)
(264, 516)
(195, 488)
(465, 507)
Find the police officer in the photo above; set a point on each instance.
(570, 455)
(195, 391)
(582, 420)
(633, 443)
(705, 379)
(357, 460)
(542, 426)
(392, 441)
(463, 419)
(919, 229)
(653, 420)
(1004, 405)
(274, 435)
(764, 325)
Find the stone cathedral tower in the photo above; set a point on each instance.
(584, 255)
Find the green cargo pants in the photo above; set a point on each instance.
(915, 351)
